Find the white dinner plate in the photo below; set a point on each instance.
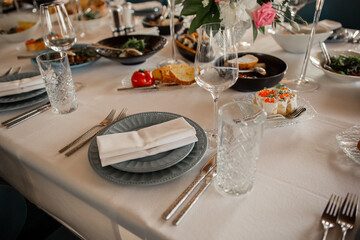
(317, 60)
(150, 178)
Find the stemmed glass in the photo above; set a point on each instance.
(173, 59)
(303, 83)
(216, 65)
(57, 30)
(295, 6)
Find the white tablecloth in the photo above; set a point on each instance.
(300, 166)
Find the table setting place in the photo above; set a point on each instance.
(153, 129)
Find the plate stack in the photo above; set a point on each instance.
(155, 169)
(24, 99)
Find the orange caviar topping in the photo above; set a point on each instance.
(266, 92)
(284, 95)
(269, 100)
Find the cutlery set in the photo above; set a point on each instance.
(207, 172)
(26, 115)
(91, 133)
(9, 72)
(345, 215)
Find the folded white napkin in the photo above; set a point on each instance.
(20, 86)
(146, 5)
(119, 147)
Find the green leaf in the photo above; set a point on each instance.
(255, 31)
(262, 30)
(191, 7)
(205, 15)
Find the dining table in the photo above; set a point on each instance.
(300, 165)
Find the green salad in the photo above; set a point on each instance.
(348, 65)
(135, 43)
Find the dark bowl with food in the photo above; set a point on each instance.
(163, 24)
(83, 56)
(148, 45)
(186, 44)
(275, 71)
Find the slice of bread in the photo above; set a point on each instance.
(247, 61)
(182, 74)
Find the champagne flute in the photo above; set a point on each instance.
(216, 65)
(303, 83)
(173, 59)
(57, 30)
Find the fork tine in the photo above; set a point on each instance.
(18, 70)
(111, 115)
(7, 72)
(298, 111)
(121, 115)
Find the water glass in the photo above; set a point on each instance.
(239, 135)
(56, 73)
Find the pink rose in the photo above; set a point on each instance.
(265, 15)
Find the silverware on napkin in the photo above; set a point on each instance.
(205, 171)
(196, 197)
(26, 115)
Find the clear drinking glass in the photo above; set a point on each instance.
(303, 83)
(216, 65)
(57, 29)
(56, 73)
(240, 134)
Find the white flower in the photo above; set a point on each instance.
(240, 13)
(205, 3)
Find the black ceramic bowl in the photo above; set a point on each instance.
(153, 44)
(275, 69)
(187, 53)
(164, 30)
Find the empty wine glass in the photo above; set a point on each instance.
(216, 65)
(303, 83)
(173, 59)
(57, 30)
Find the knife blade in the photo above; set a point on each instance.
(207, 168)
(195, 198)
(154, 86)
(22, 115)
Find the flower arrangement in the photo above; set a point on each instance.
(232, 12)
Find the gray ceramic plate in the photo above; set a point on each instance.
(22, 100)
(149, 178)
(156, 162)
(20, 96)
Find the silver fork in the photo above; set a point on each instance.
(294, 114)
(103, 123)
(330, 214)
(122, 114)
(7, 72)
(18, 70)
(348, 212)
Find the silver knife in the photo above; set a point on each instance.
(23, 119)
(22, 115)
(195, 198)
(154, 86)
(209, 166)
